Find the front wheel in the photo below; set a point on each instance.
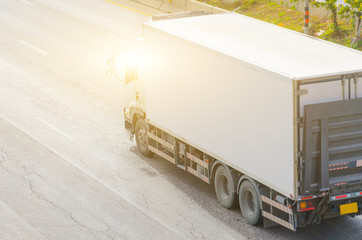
(249, 201)
(141, 133)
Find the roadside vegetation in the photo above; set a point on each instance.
(340, 28)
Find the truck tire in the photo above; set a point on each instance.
(224, 187)
(249, 201)
(141, 132)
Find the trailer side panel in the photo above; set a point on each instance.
(232, 112)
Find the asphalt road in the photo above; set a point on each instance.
(66, 169)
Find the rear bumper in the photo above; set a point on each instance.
(345, 196)
(330, 207)
(334, 208)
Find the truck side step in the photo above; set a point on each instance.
(197, 160)
(197, 166)
(274, 214)
(177, 154)
(197, 174)
(278, 220)
(161, 154)
(276, 205)
(160, 140)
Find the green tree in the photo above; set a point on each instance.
(354, 9)
(332, 7)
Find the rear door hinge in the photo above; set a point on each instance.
(300, 122)
(301, 92)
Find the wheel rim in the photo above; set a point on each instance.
(224, 187)
(142, 137)
(249, 201)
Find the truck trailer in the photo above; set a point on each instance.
(269, 116)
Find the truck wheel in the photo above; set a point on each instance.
(141, 133)
(249, 201)
(224, 187)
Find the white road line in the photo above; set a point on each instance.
(54, 128)
(32, 47)
(105, 184)
(22, 220)
(27, 2)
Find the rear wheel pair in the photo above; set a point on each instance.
(248, 195)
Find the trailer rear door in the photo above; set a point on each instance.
(332, 136)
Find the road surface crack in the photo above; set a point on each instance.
(71, 216)
(31, 172)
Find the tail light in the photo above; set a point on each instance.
(306, 205)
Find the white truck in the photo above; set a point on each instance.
(271, 117)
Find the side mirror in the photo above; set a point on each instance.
(131, 72)
(116, 65)
(123, 65)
